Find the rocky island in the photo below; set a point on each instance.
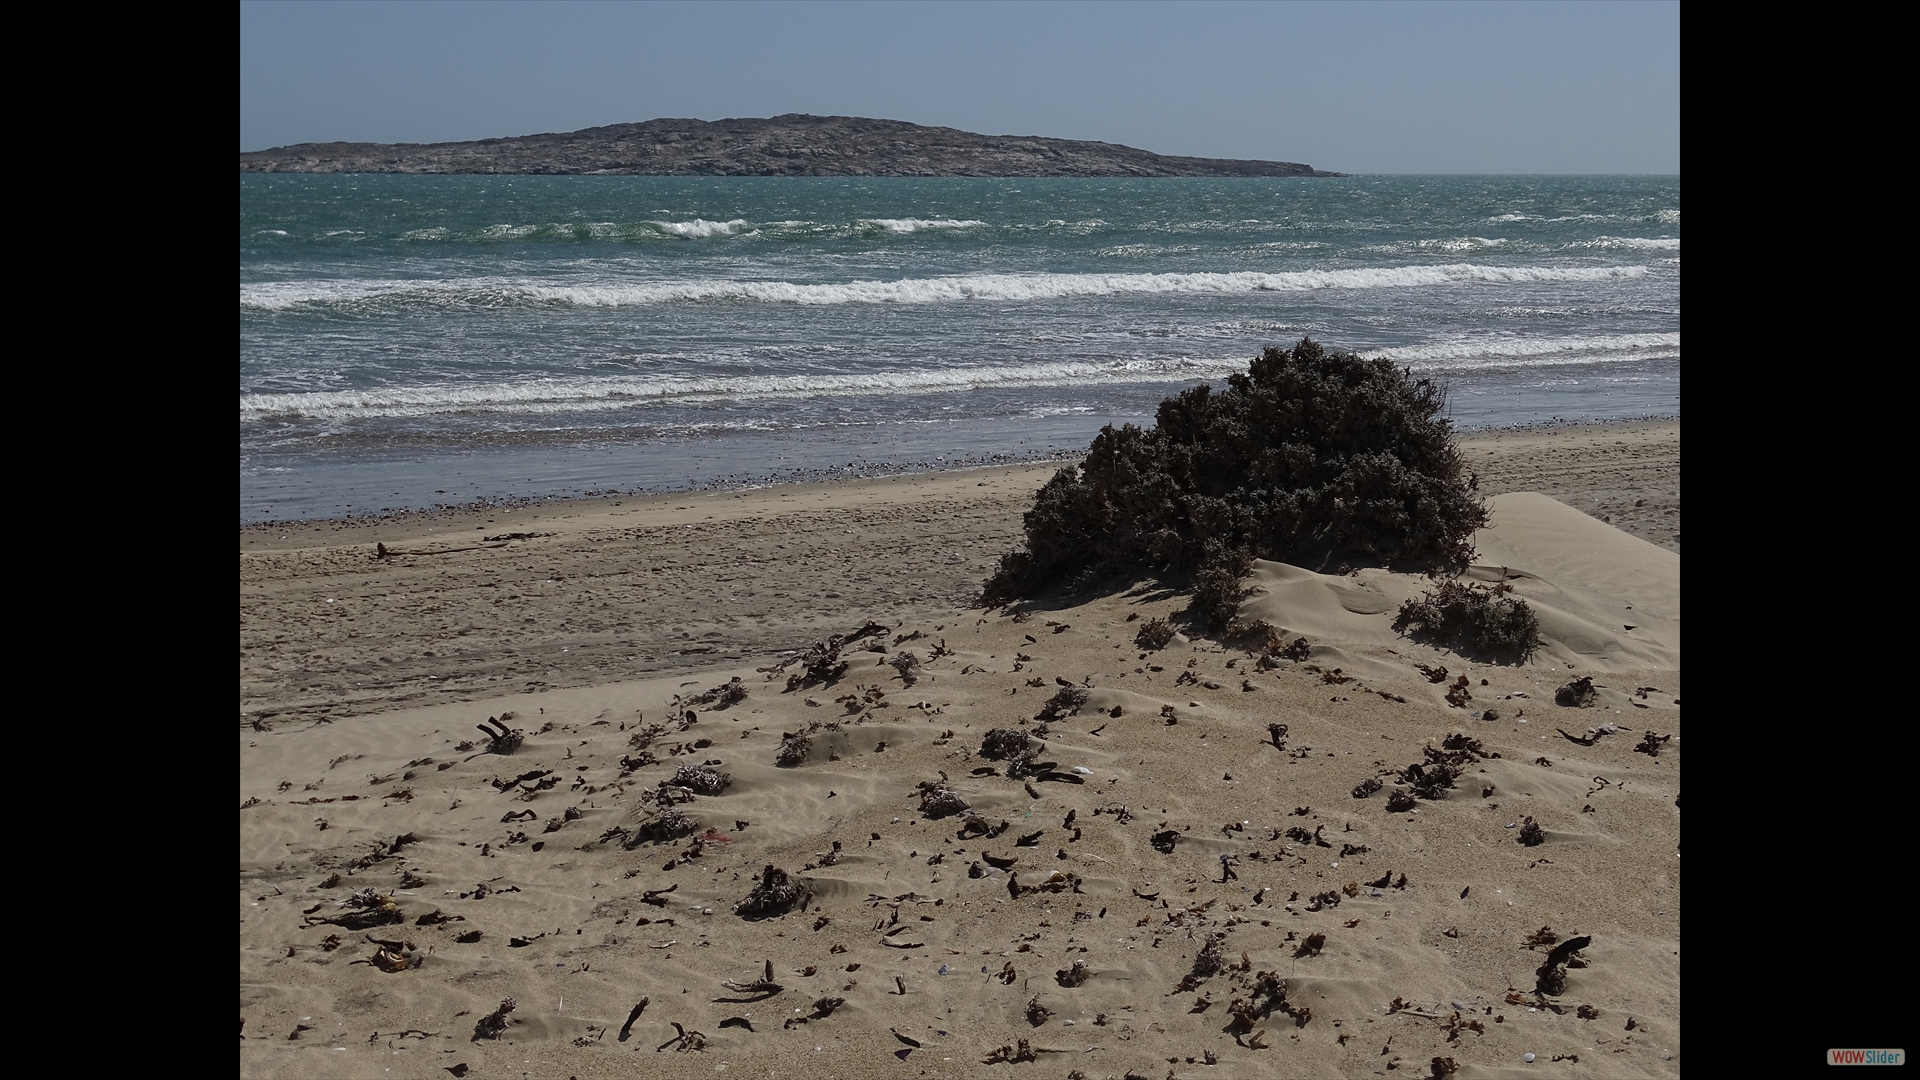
(790, 145)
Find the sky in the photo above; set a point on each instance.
(1382, 87)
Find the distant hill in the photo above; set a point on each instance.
(790, 145)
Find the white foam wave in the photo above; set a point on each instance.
(489, 292)
(1456, 243)
(628, 391)
(1632, 243)
(700, 227)
(907, 225)
(1509, 351)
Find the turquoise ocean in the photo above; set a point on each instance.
(412, 341)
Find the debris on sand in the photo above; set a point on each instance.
(1578, 694)
(1552, 975)
(700, 779)
(763, 985)
(494, 1024)
(1651, 744)
(776, 892)
(938, 802)
(794, 748)
(504, 741)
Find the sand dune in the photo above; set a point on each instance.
(1189, 825)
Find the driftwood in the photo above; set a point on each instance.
(765, 985)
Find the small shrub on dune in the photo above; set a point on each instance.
(1483, 621)
(1156, 634)
(1309, 457)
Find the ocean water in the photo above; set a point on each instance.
(407, 341)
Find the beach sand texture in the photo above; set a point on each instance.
(1200, 860)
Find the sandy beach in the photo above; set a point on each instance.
(1213, 859)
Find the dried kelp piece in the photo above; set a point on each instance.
(976, 826)
(1073, 976)
(683, 1040)
(1578, 694)
(906, 663)
(1650, 745)
(794, 748)
(939, 802)
(763, 985)
(1458, 695)
(1367, 787)
(822, 662)
(666, 824)
(1434, 780)
(1531, 835)
(627, 1027)
(505, 740)
(494, 1024)
(1311, 945)
(1552, 975)
(1456, 1024)
(1164, 841)
(1037, 1014)
(365, 909)
(775, 893)
(1432, 674)
(699, 779)
(1063, 704)
(728, 693)
(1010, 1055)
(1211, 960)
(1399, 801)
(1003, 743)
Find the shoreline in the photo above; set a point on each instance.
(801, 477)
(586, 591)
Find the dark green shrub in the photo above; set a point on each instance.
(1309, 457)
(1481, 621)
(1154, 635)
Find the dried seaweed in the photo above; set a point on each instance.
(504, 741)
(1552, 975)
(1010, 1055)
(939, 802)
(1002, 743)
(763, 985)
(775, 893)
(699, 779)
(1578, 694)
(494, 1024)
(794, 748)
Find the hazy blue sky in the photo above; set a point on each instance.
(1353, 87)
